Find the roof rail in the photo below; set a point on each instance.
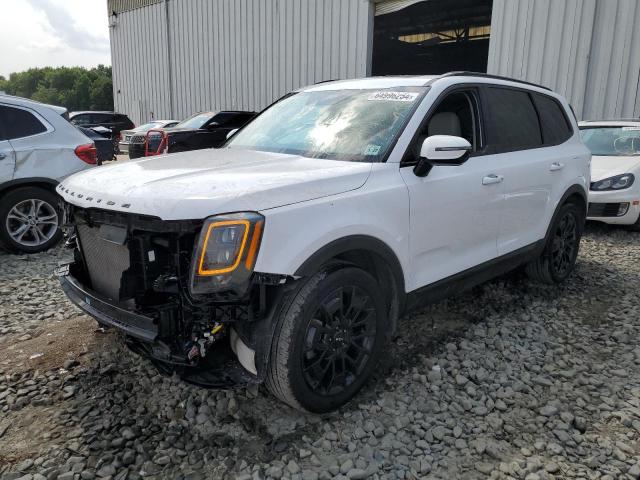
(495, 77)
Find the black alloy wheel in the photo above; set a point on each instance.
(339, 340)
(564, 245)
(558, 258)
(328, 339)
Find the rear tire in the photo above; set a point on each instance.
(328, 340)
(558, 258)
(29, 220)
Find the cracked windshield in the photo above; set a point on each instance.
(354, 125)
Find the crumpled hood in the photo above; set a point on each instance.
(605, 166)
(197, 184)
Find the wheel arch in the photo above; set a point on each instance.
(372, 255)
(42, 182)
(574, 194)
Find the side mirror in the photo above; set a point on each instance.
(232, 133)
(441, 150)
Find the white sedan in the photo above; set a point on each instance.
(614, 195)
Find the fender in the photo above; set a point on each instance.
(351, 243)
(29, 181)
(573, 189)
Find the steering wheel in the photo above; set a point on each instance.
(621, 145)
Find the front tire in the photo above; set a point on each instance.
(558, 258)
(29, 220)
(328, 340)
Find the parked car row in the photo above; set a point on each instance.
(201, 130)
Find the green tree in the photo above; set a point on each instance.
(74, 88)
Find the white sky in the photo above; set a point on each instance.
(53, 33)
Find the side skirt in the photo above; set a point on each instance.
(473, 276)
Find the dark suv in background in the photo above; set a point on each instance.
(114, 121)
(205, 130)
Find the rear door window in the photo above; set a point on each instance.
(513, 121)
(19, 123)
(103, 118)
(555, 125)
(82, 119)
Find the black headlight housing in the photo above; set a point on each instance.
(225, 253)
(619, 182)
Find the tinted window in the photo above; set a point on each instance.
(83, 119)
(555, 126)
(513, 123)
(19, 123)
(240, 119)
(103, 118)
(223, 119)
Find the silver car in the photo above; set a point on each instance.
(38, 148)
(136, 135)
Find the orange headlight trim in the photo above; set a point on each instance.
(205, 272)
(253, 247)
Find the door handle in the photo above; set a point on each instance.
(3, 156)
(555, 166)
(491, 179)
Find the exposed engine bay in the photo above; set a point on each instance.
(135, 273)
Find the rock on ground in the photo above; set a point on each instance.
(509, 380)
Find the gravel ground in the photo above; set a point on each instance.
(510, 380)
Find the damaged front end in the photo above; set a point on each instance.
(184, 292)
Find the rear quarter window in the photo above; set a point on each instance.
(555, 125)
(19, 123)
(513, 121)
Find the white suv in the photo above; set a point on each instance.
(299, 243)
(38, 148)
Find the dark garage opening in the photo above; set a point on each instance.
(433, 37)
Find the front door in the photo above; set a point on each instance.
(455, 210)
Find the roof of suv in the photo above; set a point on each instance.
(96, 111)
(622, 122)
(412, 81)
(25, 102)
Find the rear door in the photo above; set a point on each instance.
(7, 155)
(515, 138)
(27, 133)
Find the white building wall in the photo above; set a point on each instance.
(585, 49)
(233, 54)
(140, 64)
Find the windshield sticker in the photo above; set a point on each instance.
(394, 96)
(372, 149)
(635, 129)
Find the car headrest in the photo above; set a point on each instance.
(444, 123)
